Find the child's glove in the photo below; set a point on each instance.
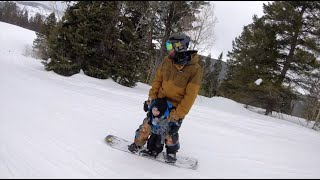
(146, 105)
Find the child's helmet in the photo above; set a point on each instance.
(161, 105)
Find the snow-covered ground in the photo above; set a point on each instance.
(54, 127)
(286, 117)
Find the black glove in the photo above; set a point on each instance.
(145, 106)
(174, 128)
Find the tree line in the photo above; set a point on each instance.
(12, 14)
(282, 48)
(114, 39)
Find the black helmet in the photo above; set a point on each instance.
(184, 40)
(179, 42)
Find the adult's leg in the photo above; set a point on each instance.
(172, 139)
(143, 133)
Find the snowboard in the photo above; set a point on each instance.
(122, 145)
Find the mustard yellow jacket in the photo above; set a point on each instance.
(179, 84)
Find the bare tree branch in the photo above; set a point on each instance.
(203, 32)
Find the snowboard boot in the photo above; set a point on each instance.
(133, 148)
(171, 158)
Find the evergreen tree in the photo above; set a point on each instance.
(100, 38)
(312, 108)
(60, 62)
(37, 22)
(1, 10)
(277, 47)
(48, 25)
(141, 17)
(9, 12)
(206, 65)
(19, 21)
(252, 58)
(172, 16)
(296, 24)
(216, 73)
(211, 80)
(40, 44)
(30, 23)
(25, 19)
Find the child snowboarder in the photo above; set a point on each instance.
(157, 116)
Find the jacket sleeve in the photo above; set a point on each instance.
(156, 84)
(190, 96)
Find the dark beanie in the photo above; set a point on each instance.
(161, 105)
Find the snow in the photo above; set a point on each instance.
(41, 9)
(258, 81)
(32, 11)
(54, 127)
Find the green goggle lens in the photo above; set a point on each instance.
(169, 46)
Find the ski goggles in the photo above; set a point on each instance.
(170, 46)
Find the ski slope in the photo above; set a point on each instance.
(54, 127)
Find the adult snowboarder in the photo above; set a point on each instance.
(178, 80)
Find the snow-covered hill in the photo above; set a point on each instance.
(54, 127)
(36, 7)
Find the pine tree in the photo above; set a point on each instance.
(296, 24)
(25, 19)
(252, 58)
(40, 44)
(141, 17)
(216, 74)
(170, 17)
(48, 25)
(243, 71)
(211, 80)
(311, 111)
(30, 23)
(1, 10)
(60, 62)
(206, 65)
(10, 12)
(277, 47)
(101, 38)
(37, 22)
(133, 34)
